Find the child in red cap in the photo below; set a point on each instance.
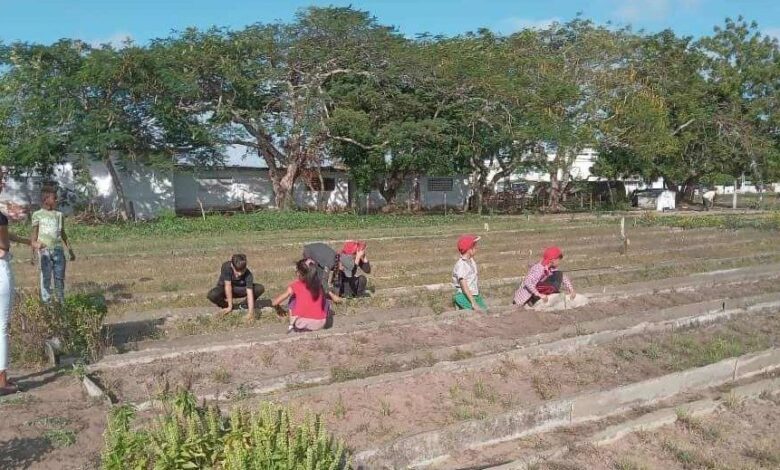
(465, 278)
(544, 278)
(353, 262)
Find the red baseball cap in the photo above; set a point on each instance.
(550, 254)
(353, 246)
(467, 242)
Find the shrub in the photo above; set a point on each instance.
(188, 436)
(78, 324)
(82, 325)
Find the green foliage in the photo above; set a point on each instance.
(730, 222)
(78, 324)
(264, 221)
(186, 436)
(82, 329)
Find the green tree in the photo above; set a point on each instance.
(265, 87)
(71, 99)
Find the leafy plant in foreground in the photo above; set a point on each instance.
(186, 436)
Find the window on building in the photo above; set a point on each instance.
(329, 182)
(440, 184)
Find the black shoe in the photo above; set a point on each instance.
(242, 306)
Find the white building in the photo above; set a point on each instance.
(580, 171)
(186, 189)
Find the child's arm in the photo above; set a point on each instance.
(228, 297)
(4, 246)
(24, 241)
(64, 237)
(335, 297)
(533, 277)
(464, 286)
(279, 299)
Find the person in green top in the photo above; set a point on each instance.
(48, 228)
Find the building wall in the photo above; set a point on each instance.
(581, 171)
(337, 199)
(150, 191)
(222, 189)
(456, 197)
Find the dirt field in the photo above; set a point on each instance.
(742, 436)
(402, 362)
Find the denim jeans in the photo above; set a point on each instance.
(6, 297)
(52, 265)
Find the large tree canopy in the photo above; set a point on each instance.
(336, 86)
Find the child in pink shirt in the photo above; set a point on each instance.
(544, 278)
(310, 305)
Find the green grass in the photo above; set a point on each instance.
(59, 438)
(770, 221)
(263, 221)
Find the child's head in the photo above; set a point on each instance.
(307, 272)
(239, 262)
(552, 256)
(351, 247)
(49, 197)
(467, 245)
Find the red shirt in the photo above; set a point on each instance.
(305, 306)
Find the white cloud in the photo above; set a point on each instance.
(117, 40)
(514, 23)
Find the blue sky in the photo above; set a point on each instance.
(111, 20)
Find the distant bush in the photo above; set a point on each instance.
(78, 324)
(188, 436)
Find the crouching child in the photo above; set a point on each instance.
(465, 276)
(309, 304)
(353, 266)
(543, 279)
(236, 282)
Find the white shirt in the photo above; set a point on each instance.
(466, 269)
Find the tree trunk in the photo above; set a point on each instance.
(416, 190)
(321, 192)
(555, 191)
(390, 188)
(283, 187)
(125, 208)
(734, 197)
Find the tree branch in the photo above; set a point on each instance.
(359, 144)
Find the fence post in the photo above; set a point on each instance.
(445, 204)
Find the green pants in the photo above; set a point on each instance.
(462, 302)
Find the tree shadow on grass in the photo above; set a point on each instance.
(21, 452)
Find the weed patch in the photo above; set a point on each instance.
(186, 435)
(78, 324)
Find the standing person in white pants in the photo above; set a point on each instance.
(6, 295)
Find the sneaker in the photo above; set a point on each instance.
(242, 306)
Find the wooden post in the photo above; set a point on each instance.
(734, 196)
(202, 212)
(445, 204)
(623, 236)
